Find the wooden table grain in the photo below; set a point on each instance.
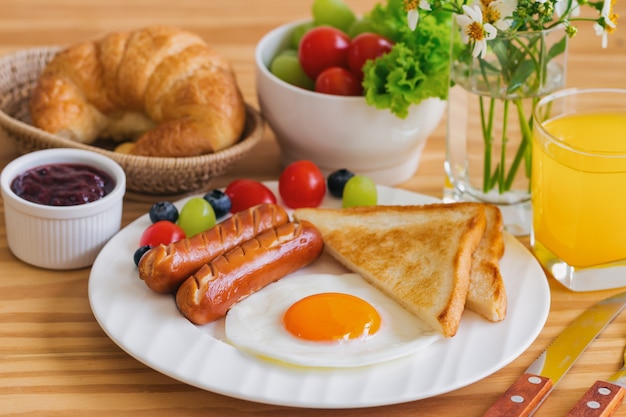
(55, 360)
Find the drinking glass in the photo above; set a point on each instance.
(578, 187)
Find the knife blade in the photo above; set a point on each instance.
(530, 390)
(603, 397)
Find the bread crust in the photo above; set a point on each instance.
(160, 85)
(487, 294)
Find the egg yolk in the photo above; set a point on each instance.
(329, 317)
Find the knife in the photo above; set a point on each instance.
(531, 389)
(604, 396)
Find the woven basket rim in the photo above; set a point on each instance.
(251, 115)
(208, 165)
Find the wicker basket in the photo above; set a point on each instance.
(145, 175)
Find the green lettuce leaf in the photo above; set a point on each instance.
(416, 68)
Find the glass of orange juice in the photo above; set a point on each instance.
(578, 187)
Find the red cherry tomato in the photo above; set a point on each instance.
(323, 47)
(338, 81)
(366, 46)
(302, 184)
(161, 232)
(245, 193)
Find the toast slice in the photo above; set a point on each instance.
(487, 294)
(420, 256)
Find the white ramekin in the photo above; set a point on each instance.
(61, 237)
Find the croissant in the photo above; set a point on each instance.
(160, 86)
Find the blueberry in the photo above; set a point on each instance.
(337, 180)
(219, 201)
(140, 252)
(163, 210)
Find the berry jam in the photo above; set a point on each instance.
(62, 184)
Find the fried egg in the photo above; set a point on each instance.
(325, 320)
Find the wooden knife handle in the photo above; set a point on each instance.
(601, 400)
(522, 398)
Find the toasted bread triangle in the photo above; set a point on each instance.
(418, 255)
(487, 294)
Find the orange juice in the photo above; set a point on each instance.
(579, 188)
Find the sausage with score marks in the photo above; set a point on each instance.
(209, 293)
(164, 267)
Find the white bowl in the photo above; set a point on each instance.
(61, 237)
(338, 131)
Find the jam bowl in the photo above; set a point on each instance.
(61, 206)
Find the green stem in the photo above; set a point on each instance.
(523, 147)
(487, 129)
(501, 178)
(529, 154)
(517, 70)
(530, 51)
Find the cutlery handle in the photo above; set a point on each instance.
(601, 400)
(522, 398)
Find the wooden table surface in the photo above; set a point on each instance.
(55, 360)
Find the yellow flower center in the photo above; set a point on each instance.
(491, 14)
(608, 28)
(475, 31)
(410, 5)
(613, 18)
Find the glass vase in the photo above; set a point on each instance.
(489, 121)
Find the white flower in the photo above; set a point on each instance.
(425, 5)
(413, 16)
(498, 12)
(473, 29)
(601, 31)
(607, 12)
(606, 25)
(569, 7)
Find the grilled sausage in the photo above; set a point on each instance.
(164, 267)
(209, 293)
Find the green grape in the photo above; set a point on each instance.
(298, 33)
(334, 13)
(359, 191)
(288, 52)
(286, 66)
(359, 26)
(196, 216)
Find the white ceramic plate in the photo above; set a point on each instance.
(149, 327)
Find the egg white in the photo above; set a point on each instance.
(255, 325)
